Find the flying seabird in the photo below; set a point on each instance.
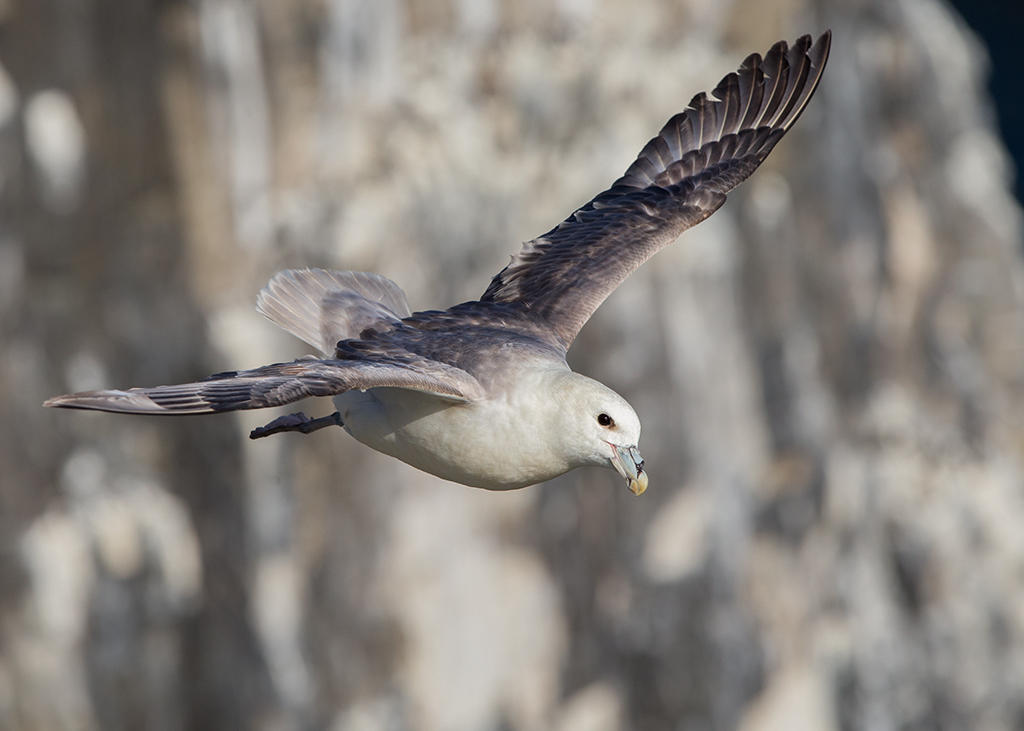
(481, 393)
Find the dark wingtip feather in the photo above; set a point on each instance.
(816, 56)
(768, 92)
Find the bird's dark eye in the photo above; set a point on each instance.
(605, 420)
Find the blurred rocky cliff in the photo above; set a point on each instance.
(830, 372)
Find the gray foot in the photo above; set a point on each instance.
(296, 422)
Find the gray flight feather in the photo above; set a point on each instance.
(282, 383)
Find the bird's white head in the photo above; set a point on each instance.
(599, 427)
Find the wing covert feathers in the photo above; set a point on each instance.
(679, 178)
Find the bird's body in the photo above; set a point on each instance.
(481, 393)
(526, 381)
(446, 440)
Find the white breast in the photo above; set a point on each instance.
(501, 443)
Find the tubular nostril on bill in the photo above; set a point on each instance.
(637, 459)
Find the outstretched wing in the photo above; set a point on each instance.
(680, 178)
(282, 383)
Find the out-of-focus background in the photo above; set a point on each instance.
(830, 372)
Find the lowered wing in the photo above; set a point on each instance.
(282, 383)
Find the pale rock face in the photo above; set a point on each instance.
(8, 97)
(484, 629)
(56, 141)
(829, 372)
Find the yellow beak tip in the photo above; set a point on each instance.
(639, 485)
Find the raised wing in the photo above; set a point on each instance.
(322, 306)
(680, 178)
(282, 383)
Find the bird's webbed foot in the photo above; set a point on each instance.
(296, 422)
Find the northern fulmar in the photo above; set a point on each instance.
(481, 393)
